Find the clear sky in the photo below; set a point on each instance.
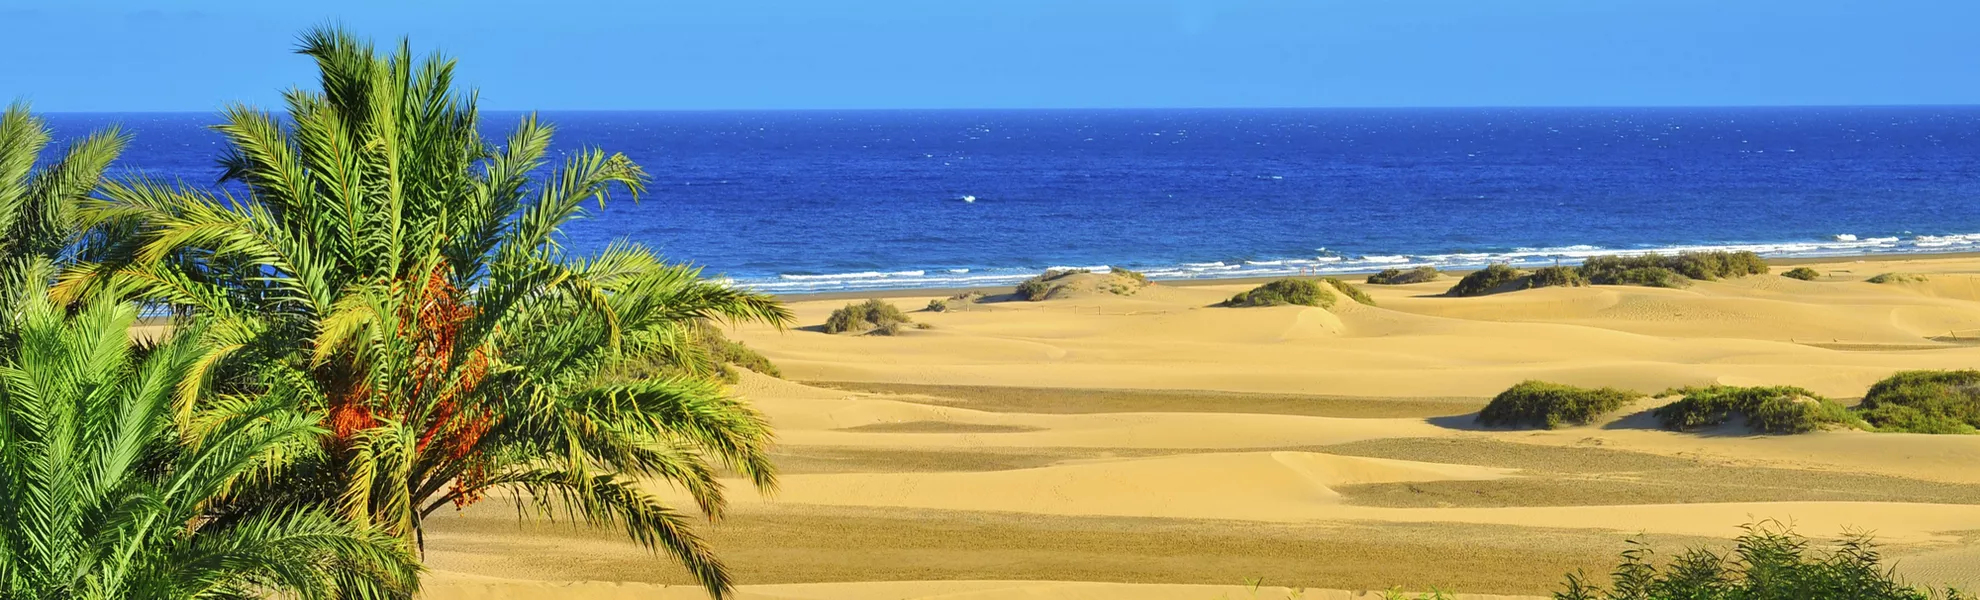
(93, 55)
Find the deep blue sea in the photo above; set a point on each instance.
(814, 201)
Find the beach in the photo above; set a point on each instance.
(1153, 445)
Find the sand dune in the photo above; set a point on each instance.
(950, 475)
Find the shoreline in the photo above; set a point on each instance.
(894, 293)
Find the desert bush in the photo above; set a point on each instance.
(729, 353)
(1484, 281)
(1119, 281)
(1401, 277)
(872, 316)
(1550, 405)
(1350, 291)
(1767, 562)
(954, 302)
(1037, 288)
(1656, 270)
(1802, 273)
(1924, 402)
(1717, 264)
(1135, 276)
(1304, 292)
(1896, 278)
(1555, 277)
(715, 352)
(1648, 277)
(1774, 409)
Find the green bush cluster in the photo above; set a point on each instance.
(1671, 271)
(1650, 270)
(1766, 563)
(954, 302)
(1350, 291)
(1037, 288)
(1924, 402)
(1802, 273)
(874, 316)
(1775, 409)
(1896, 278)
(1137, 277)
(1550, 405)
(1121, 282)
(1305, 292)
(1402, 276)
(1555, 277)
(1485, 281)
(1499, 278)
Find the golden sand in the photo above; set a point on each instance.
(1153, 446)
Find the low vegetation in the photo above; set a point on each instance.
(1404, 276)
(873, 317)
(1348, 289)
(1555, 277)
(1134, 276)
(1490, 279)
(1802, 273)
(1649, 270)
(717, 354)
(955, 302)
(1551, 405)
(1051, 284)
(1767, 562)
(1924, 402)
(1304, 292)
(1775, 409)
(1896, 278)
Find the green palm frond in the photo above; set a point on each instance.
(400, 278)
(607, 500)
(102, 496)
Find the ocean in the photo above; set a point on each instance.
(807, 201)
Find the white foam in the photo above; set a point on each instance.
(1838, 245)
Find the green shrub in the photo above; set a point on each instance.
(1402, 277)
(1550, 405)
(1134, 276)
(1656, 270)
(1649, 277)
(1485, 281)
(1766, 563)
(1896, 278)
(1924, 402)
(954, 302)
(1303, 292)
(1120, 282)
(720, 355)
(1037, 288)
(1776, 409)
(1802, 273)
(1555, 277)
(875, 316)
(1717, 264)
(1350, 291)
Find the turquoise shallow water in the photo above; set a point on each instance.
(817, 201)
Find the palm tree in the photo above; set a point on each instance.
(38, 217)
(100, 499)
(404, 276)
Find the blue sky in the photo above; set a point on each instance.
(91, 55)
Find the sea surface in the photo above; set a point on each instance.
(828, 201)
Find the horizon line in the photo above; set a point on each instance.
(1096, 109)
